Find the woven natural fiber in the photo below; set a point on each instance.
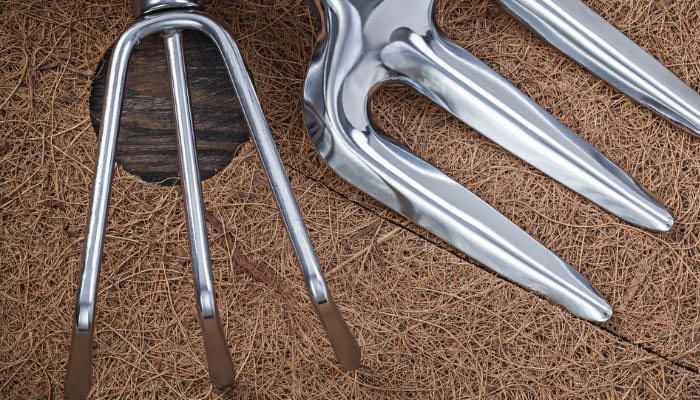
(431, 323)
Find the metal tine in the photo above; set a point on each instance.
(484, 100)
(583, 35)
(344, 345)
(78, 377)
(221, 369)
(79, 369)
(363, 45)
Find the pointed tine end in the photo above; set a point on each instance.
(601, 312)
(587, 303)
(627, 199)
(664, 223)
(657, 219)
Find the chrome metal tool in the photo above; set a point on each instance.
(168, 18)
(363, 44)
(583, 35)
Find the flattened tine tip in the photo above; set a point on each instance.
(78, 378)
(346, 348)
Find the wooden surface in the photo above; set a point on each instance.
(147, 145)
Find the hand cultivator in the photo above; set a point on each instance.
(362, 45)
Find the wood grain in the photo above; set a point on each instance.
(147, 145)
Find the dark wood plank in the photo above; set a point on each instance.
(147, 145)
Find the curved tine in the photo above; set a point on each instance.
(477, 95)
(344, 344)
(79, 370)
(341, 76)
(583, 35)
(221, 369)
(417, 190)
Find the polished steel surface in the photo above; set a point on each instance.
(169, 23)
(221, 369)
(79, 370)
(142, 7)
(364, 44)
(189, 170)
(583, 35)
(344, 345)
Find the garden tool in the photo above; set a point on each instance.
(169, 18)
(363, 44)
(583, 35)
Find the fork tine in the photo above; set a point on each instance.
(221, 369)
(79, 369)
(420, 192)
(362, 46)
(583, 35)
(484, 100)
(344, 345)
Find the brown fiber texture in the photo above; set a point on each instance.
(430, 321)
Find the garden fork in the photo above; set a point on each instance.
(363, 44)
(169, 18)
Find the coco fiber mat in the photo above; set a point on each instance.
(431, 323)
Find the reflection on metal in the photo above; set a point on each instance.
(583, 35)
(364, 44)
(168, 22)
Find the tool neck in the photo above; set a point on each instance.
(143, 7)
